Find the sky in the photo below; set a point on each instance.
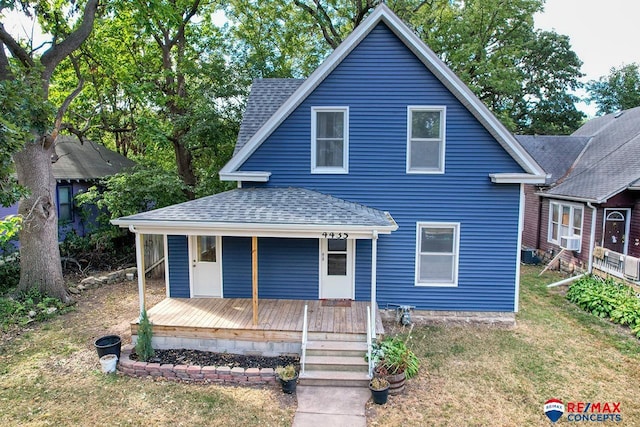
(603, 33)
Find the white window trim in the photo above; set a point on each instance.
(456, 254)
(572, 206)
(345, 147)
(443, 129)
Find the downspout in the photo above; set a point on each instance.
(592, 239)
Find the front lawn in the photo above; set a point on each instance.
(469, 376)
(477, 376)
(50, 375)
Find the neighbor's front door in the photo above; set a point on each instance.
(616, 228)
(205, 266)
(337, 266)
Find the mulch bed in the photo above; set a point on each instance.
(207, 358)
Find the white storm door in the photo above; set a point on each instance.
(206, 277)
(336, 269)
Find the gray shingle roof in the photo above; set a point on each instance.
(269, 206)
(86, 161)
(611, 161)
(267, 95)
(555, 154)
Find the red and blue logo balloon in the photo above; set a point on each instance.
(553, 409)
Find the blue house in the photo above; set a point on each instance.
(380, 179)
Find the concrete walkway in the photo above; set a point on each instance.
(331, 406)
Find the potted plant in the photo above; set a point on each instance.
(288, 378)
(394, 361)
(379, 390)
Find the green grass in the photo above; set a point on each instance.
(483, 376)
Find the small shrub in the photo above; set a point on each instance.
(144, 350)
(391, 356)
(607, 299)
(9, 272)
(286, 373)
(28, 307)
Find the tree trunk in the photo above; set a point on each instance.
(40, 266)
(184, 161)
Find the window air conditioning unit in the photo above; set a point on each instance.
(571, 243)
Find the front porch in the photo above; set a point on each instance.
(226, 324)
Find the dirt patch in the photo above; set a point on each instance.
(207, 358)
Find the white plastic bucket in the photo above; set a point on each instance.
(108, 362)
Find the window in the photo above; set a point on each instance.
(336, 257)
(564, 220)
(206, 248)
(425, 139)
(329, 140)
(437, 247)
(65, 204)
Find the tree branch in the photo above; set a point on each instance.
(65, 105)
(56, 53)
(16, 50)
(5, 69)
(332, 42)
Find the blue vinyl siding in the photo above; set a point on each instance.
(287, 268)
(178, 255)
(377, 81)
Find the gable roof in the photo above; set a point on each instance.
(609, 164)
(88, 161)
(555, 154)
(254, 211)
(382, 14)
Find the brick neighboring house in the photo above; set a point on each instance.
(592, 191)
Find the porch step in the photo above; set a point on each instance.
(334, 378)
(337, 348)
(337, 363)
(333, 336)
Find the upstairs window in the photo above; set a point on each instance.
(425, 139)
(330, 140)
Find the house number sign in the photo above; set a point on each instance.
(335, 235)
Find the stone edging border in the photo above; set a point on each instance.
(194, 373)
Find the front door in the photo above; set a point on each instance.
(205, 267)
(616, 228)
(337, 266)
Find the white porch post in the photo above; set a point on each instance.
(374, 262)
(254, 277)
(140, 267)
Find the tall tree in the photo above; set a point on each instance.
(620, 90)
(30, 73)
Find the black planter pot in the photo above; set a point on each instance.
(289, 386)
(379, 396)
(109, 344)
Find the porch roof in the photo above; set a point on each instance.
(264, 212)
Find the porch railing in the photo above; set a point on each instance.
(616, 264)
(369, 342)
(305, 328)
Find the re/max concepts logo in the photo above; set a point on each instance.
(583, 411)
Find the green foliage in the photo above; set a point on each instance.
(9, 227)
(607, 299)
(392, 356)
(28, 307)
(620, 90)
(144, 350)
(286, 373)
(141, 189)
(9, 272)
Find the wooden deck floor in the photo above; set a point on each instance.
(233, 318)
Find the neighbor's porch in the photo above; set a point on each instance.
(226, 324)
